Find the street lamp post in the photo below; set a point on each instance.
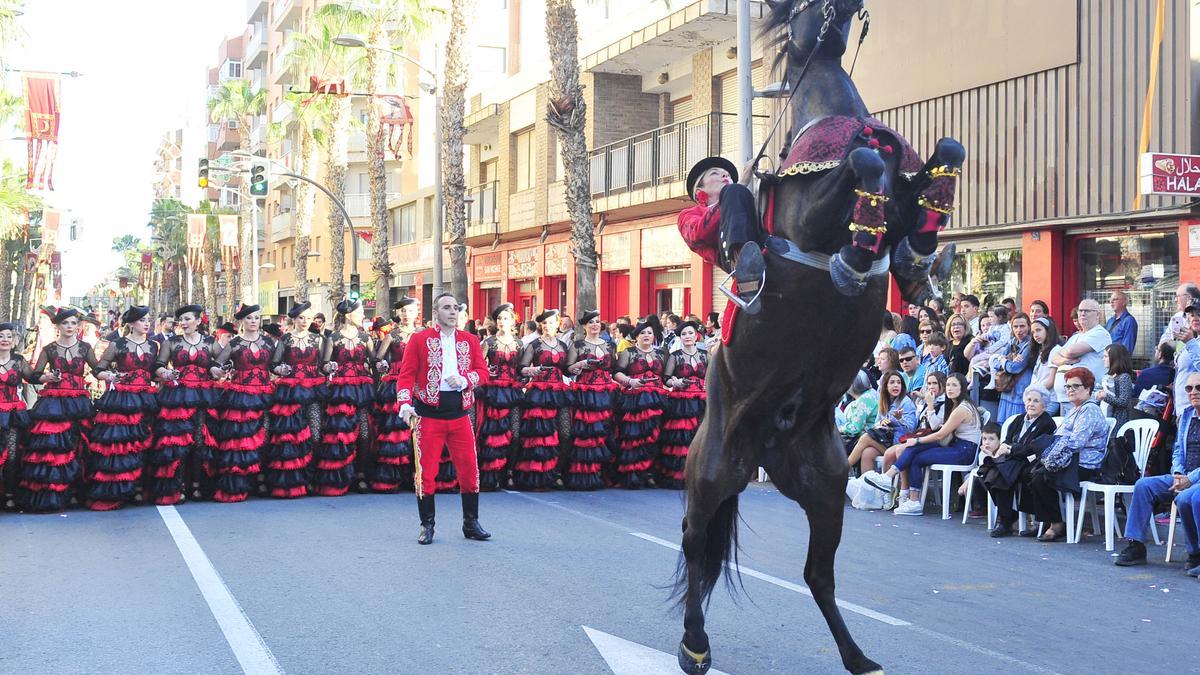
(439, 225)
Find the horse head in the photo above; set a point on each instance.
(800, 26)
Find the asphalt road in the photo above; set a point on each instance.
(339, 585)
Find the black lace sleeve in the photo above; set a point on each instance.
(106, 359)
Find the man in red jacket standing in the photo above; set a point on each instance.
(442, 366)
(723, 227)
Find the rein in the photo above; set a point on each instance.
(829, 12)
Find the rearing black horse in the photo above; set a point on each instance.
(851, 202)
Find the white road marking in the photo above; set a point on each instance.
(783, 583)
(252, 653)
(630, 658)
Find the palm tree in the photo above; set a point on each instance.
(235, 99)
(385, 23)
(15, 202)
(567, 114)
(454, 107)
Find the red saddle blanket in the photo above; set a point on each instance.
(825, 143)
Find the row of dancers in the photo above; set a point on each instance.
(315, 412)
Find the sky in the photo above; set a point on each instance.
(145, 67)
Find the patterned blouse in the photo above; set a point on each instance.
(860, 414)
(1085, 431)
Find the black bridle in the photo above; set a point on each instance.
(829, 12)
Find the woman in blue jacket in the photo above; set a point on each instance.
(897, 417)
(1019, 363)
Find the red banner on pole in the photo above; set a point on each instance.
(197, 228)
(229, 239)
(42, 115)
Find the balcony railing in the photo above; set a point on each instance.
(256, 46)
(482, 217)
(359, 203)
(281, 226)
(664, 155)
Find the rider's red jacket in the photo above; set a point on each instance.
(700, 227)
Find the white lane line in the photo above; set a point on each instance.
(252, 653)
(783, 583)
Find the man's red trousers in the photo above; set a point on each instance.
(430, 435)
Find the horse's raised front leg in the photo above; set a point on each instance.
(709, 527)
(818, 487)
(851, 265)
(934, 202)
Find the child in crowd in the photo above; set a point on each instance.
(989, 445)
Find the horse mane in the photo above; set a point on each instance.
(774, 31)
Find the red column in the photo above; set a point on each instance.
(1043, 255)
(635, 275)
(1189, 267)
(702, 286)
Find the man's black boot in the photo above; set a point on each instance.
(1134, 553)
(471, 527)
(749, 271)
(425, 508)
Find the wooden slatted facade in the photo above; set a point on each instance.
(1062, 143)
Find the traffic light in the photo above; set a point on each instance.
(354, 288)
(258, 180)
(203, 173)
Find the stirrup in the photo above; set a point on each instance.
(733, 297)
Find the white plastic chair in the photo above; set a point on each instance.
(947, 471)
(1170, 530)
(1058, 422)
(971, 479)
(1143, 435)
(985, 416)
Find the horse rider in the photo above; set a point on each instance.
(724, 229)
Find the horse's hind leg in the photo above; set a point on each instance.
(818, 487)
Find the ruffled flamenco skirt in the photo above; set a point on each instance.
(241, 432)
(117, 442)
(537, 453)
(14, 419)
(50, 463)
(181, 427)
(495, 437)
(681, 419)
(391, 469)
(638, 426)
(290, 439)
(333, 457)
(591, 424)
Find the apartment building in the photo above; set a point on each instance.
(168, 166)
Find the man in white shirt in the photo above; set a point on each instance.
(1176, 329)
(1085, 348)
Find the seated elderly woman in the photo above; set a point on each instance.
(955, 442)
(1075, 455)
(897, 417)
(931, 404)
(1026, 439)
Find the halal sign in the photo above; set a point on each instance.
(1165, 174)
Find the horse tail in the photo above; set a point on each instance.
(720, 549)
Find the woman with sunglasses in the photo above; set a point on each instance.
(500, 399)
(684, 374)
(639, 371)
(121, 432)
(591, 419)
(1074, 456)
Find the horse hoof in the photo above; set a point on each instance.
(692, 663)
(846, 279)
(909, 264)
(868, 668)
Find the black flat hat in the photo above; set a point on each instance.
(245, 311)
(298, 309)
(198, 310)
(704, 165)
(134, 313)
(546, 315)
(346, 306)
(63, 314)
(404, 302)
(588, 316)
(504, 307)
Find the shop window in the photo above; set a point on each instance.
(991, 276)
(525, 163)
(1146, 267)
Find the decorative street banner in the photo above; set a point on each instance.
(197, 227)
(397, 118)
(1169, 174)
(147, 269)
(229, 238)
(42, 113)
(56, 272)
(50, 221)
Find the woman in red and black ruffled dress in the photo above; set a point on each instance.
(592, 396)
(50, 463)
(14, 418)
(295, 420)
(120, 433)
(546, 412)
(348, 357)
(641, 402)
(684, 374)
(392, 468)
(186, 394)
(500, 400)
(240, 426)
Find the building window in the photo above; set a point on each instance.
(316, 245)
(525, 164)
(235, 69)
(213, 131)
(232, 123)
(404, 229)
(427, 221)
(362, 248)
(990, 276)
(491, 59)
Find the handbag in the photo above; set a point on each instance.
(1004, 381)
(880, 435)
(1057, 457)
